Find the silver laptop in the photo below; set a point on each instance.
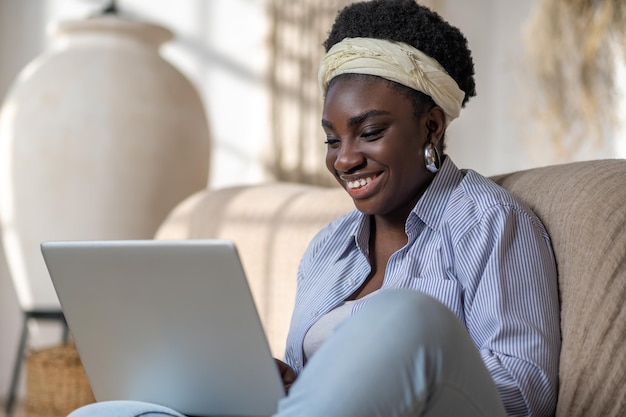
(167, 322)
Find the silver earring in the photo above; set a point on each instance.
(431, 158)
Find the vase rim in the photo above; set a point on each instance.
(146, 31)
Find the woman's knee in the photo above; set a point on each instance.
(412, 309)
(397, 344)
(124, 409)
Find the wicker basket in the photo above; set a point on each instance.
(56, 383)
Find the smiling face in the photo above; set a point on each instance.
(376, 144)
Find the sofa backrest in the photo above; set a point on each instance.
(583, 206)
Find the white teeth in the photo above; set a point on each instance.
(359, 183)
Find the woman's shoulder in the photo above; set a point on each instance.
(486, 194)
(345, 225)
(336, 234)
(472, 191)
(478, 200)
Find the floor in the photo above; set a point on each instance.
(18, 410)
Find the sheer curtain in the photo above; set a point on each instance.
(575, 51)
(298, 28)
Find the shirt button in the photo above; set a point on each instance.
(352, 281)
(297, 363)
(314, 313)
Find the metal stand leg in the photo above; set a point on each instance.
(66, 332)
(17, 367)
(21, 350)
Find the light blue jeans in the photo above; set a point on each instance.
(403, 354)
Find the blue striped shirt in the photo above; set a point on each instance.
(479, 251)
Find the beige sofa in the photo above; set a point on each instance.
(582, 204)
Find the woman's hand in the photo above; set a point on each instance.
(287, 374)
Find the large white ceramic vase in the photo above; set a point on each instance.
(99, 139)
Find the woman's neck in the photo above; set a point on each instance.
(387, 235)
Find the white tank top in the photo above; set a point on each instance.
(324, 327)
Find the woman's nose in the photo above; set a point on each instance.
(349, 157)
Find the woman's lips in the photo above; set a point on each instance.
(361, 186)
(362, 182)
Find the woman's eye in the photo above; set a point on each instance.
(331, 142)
(372, 134)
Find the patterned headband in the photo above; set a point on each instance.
(393, 61)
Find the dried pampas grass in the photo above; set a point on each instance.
(573, 48)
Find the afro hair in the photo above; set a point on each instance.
(411, 23)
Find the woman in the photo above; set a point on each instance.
(437, 296)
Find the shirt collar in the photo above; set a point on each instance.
(358, 232)
(429, 208)
(432, 204)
